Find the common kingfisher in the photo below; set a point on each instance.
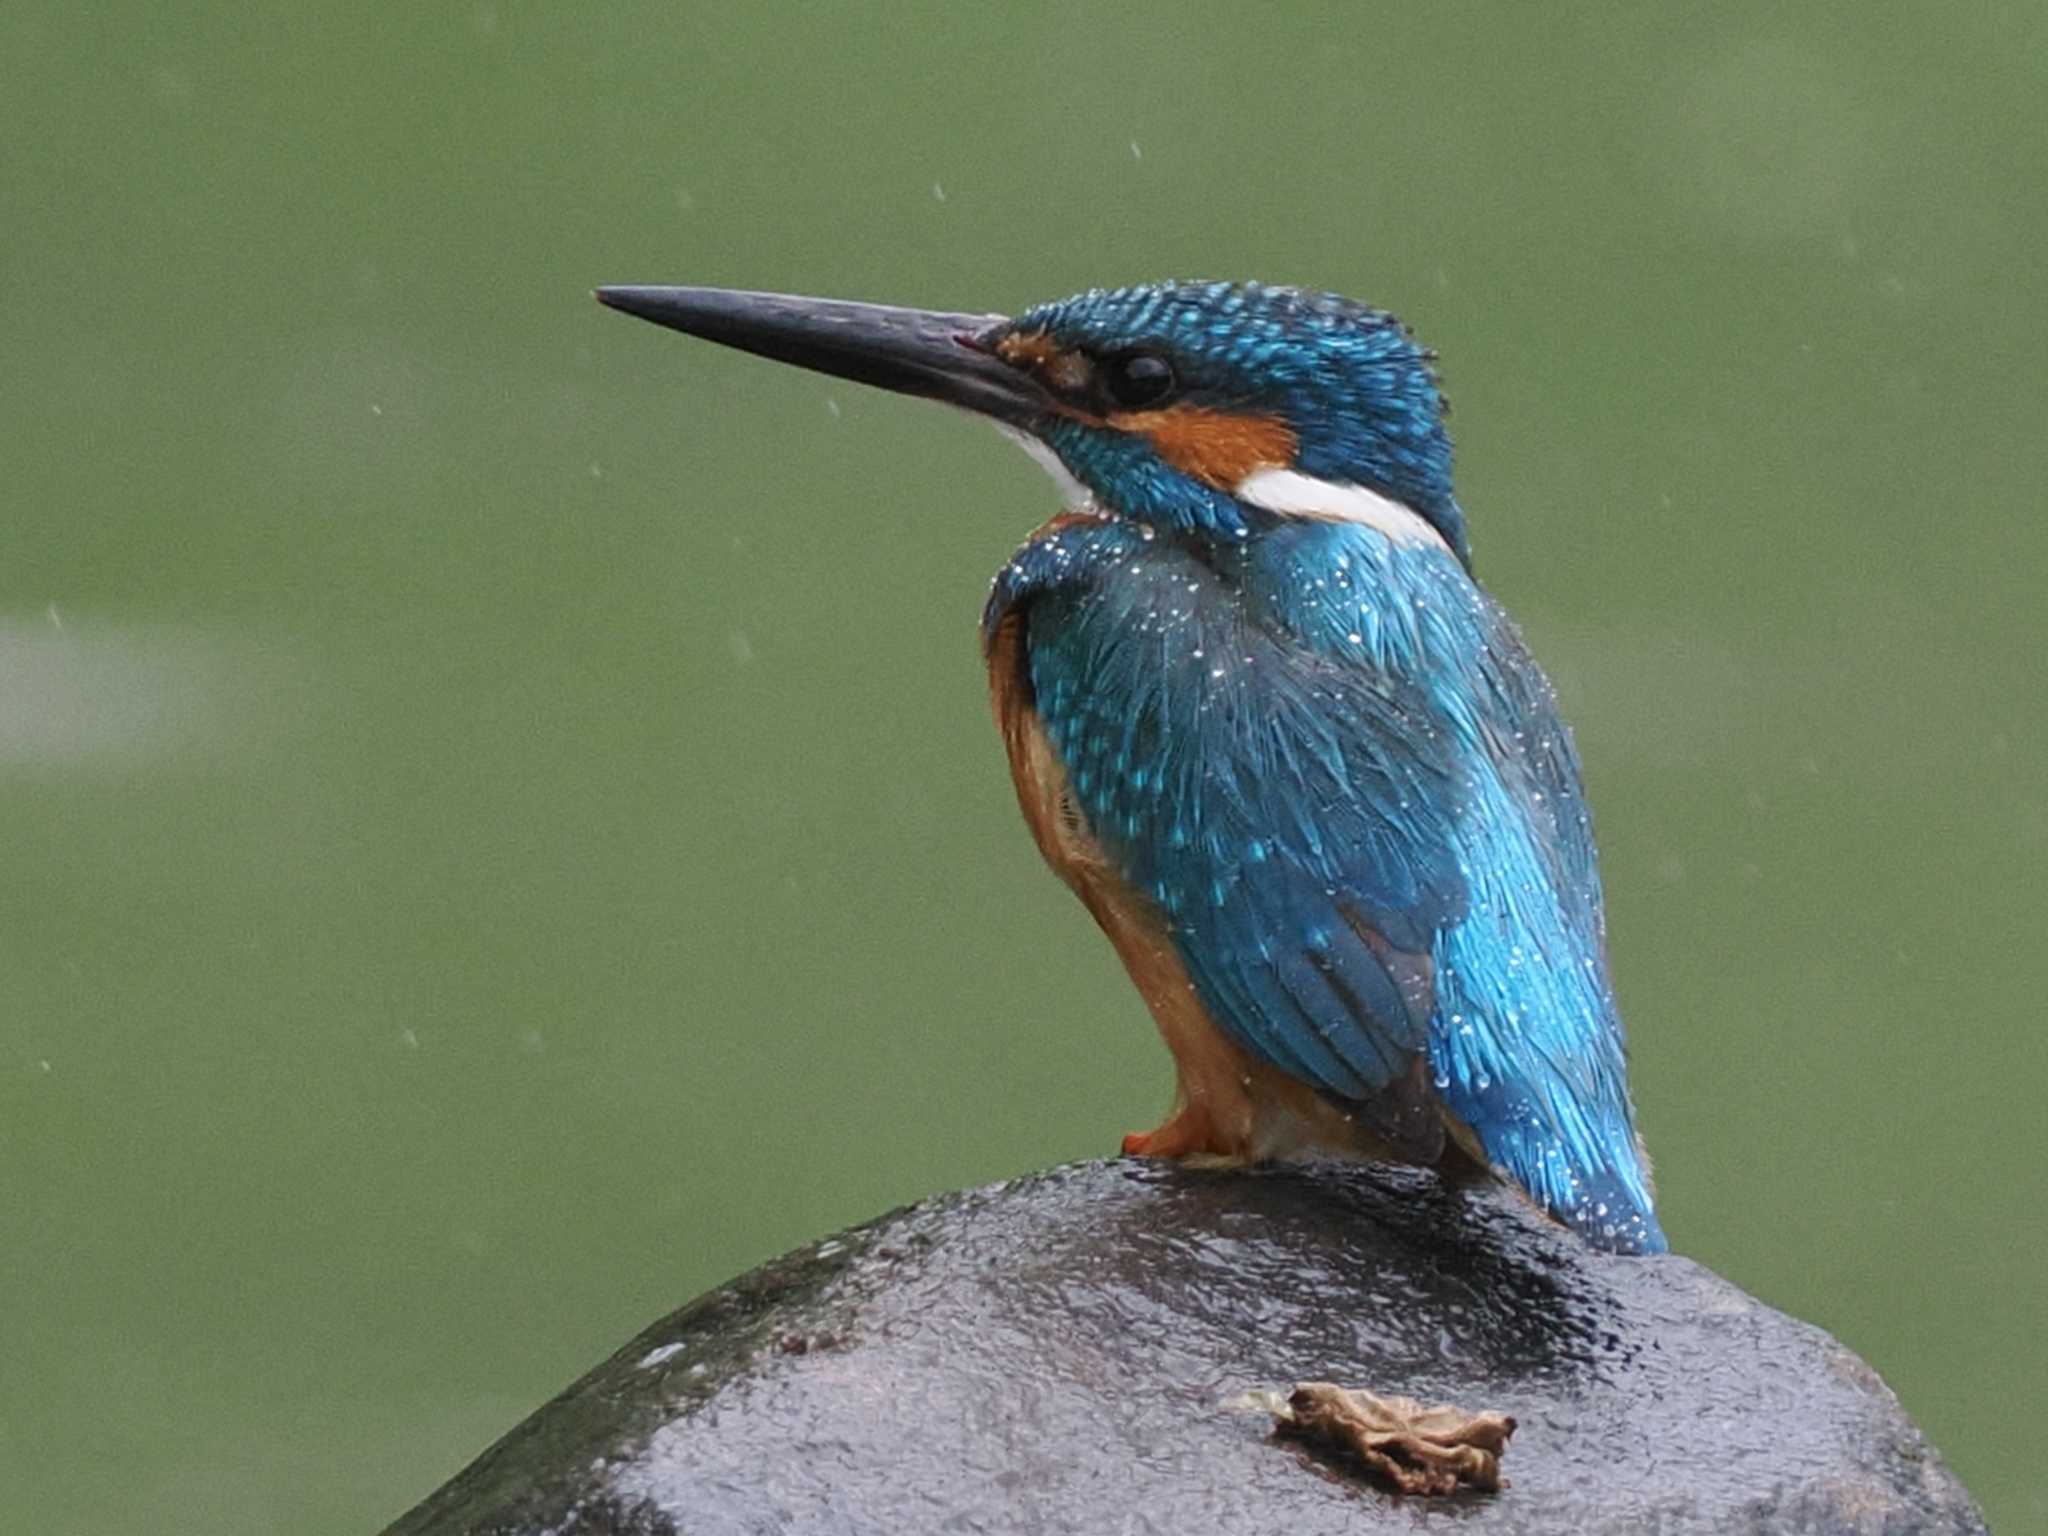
(1266, 724)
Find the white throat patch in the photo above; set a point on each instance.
(1075, 496)
(1293, 494)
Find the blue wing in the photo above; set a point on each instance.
(1345, 786)
(1290, 813)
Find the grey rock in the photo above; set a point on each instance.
(1074, 1352)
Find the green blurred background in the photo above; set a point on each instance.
(500, 822)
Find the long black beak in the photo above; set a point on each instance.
(913, 351)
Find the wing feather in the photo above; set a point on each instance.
(1287, 814)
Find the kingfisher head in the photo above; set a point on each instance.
(1208, 407)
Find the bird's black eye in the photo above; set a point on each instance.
(1136, 380)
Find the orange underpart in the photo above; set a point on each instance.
(1216, 447)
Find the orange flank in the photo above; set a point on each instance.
(1227, 1104)
(1218, 448)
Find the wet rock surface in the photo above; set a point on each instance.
(1075, 1352)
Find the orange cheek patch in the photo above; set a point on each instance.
(1216, 447)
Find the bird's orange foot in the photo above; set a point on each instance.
(1187, 1132)
(1411, 1448)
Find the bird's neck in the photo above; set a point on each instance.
(1118, 481)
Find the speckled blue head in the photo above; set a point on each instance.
(1171, 393)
